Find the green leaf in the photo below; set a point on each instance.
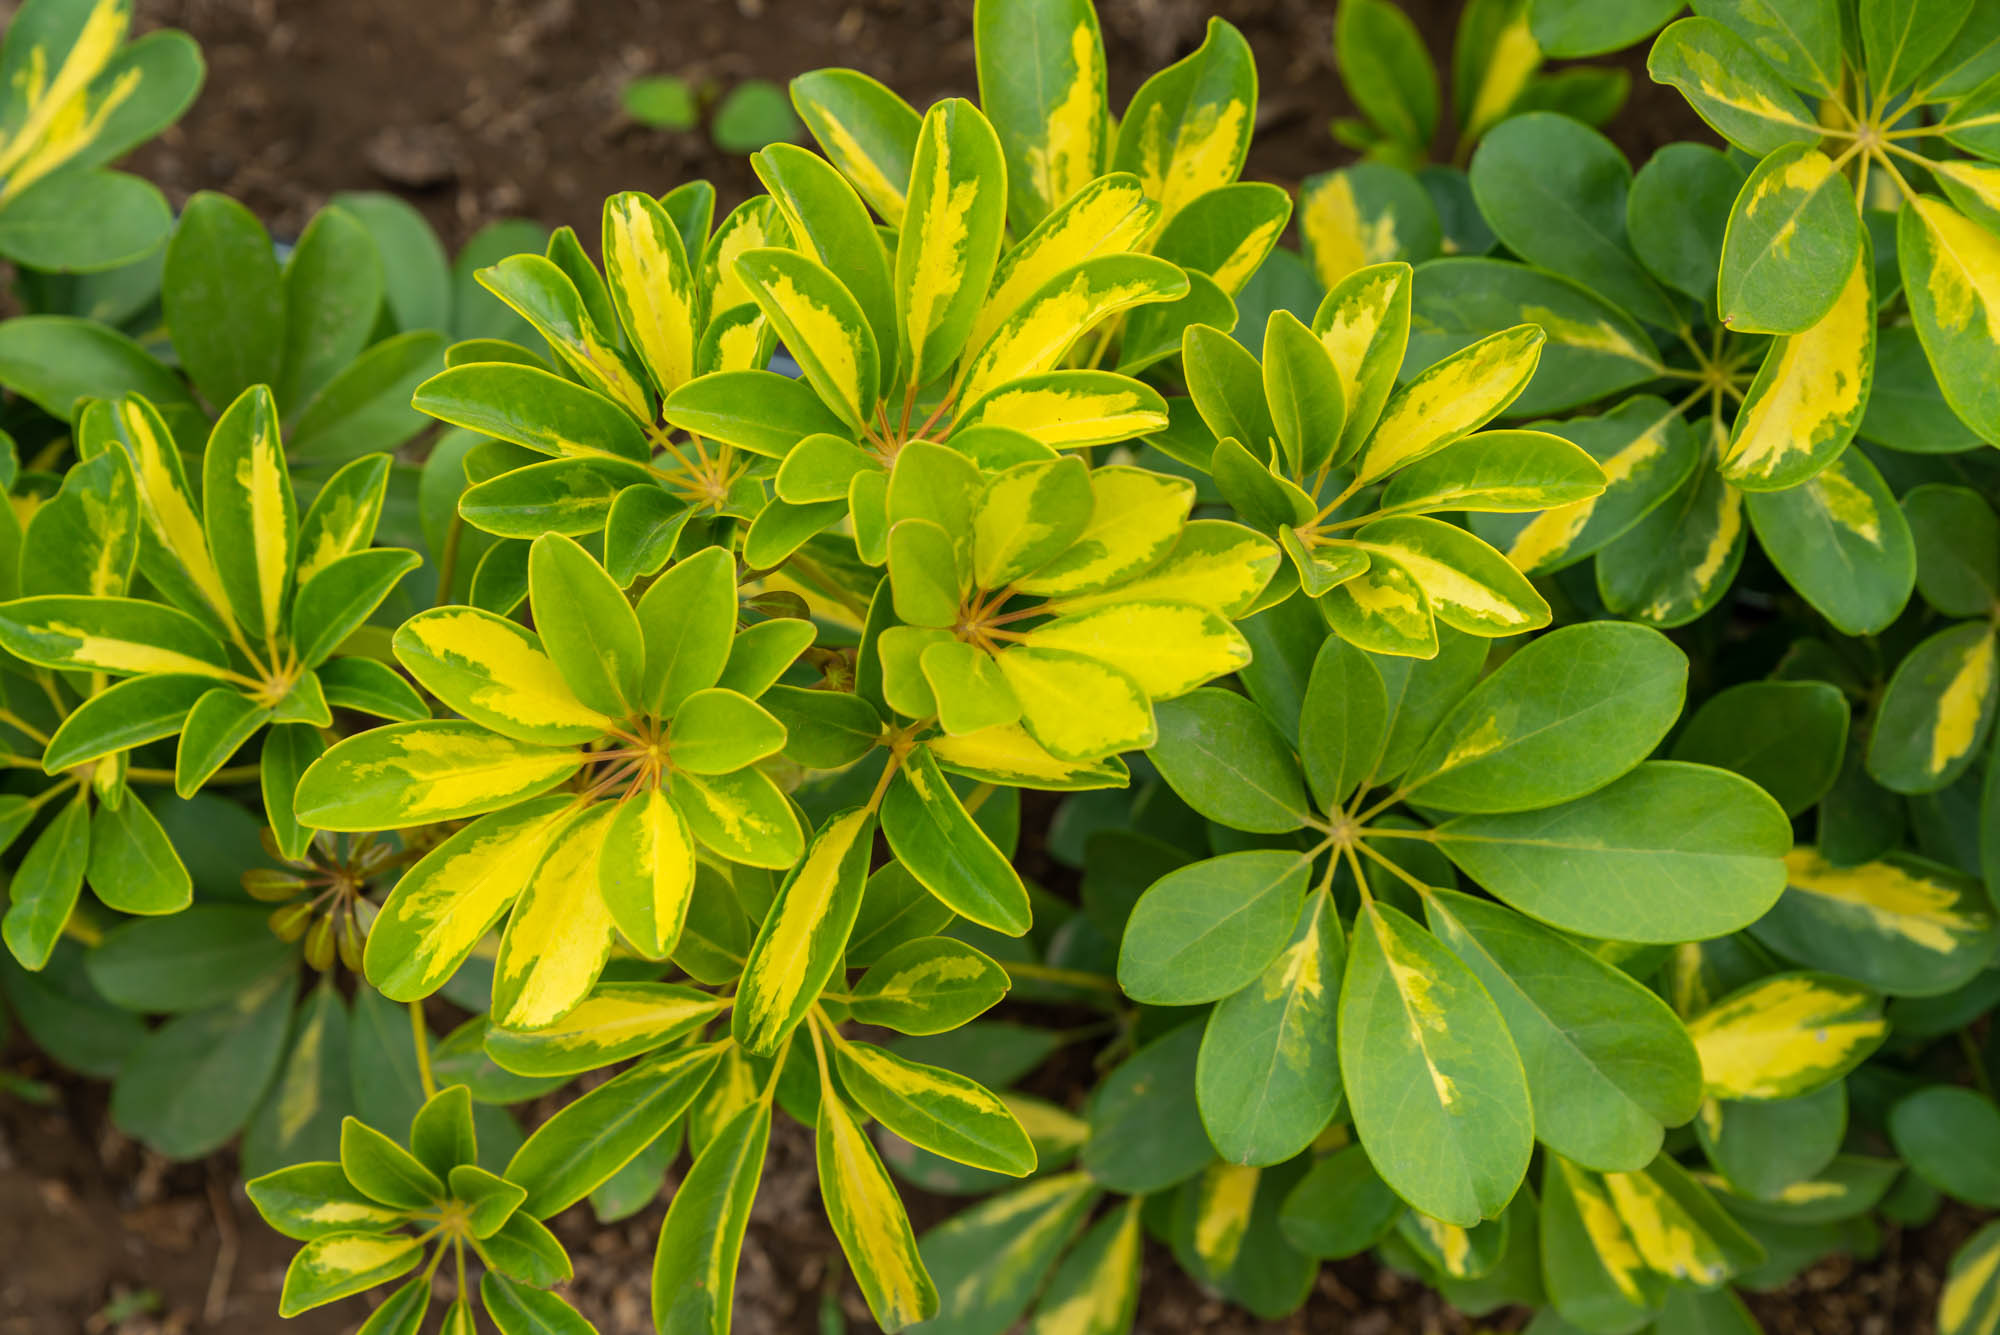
(366, 406)
(1609, 1065)
(1340, 1208)
(1207, 930)
(587, 627)
(1566, 714)
(84, 221)
(1946, 1135)
(333, 292)
(1387, 71)
(1344, 723)
(544, 296)
(751, 115)
(1230, 392)
(1219, 752)
(524, 1250)
(1146, 1132)
(594, 1136)
(133, 866)
(1788, 737)
(342, 519)
(743, 816)
(186, 961)
(123, 715)
(1902, 925)
(1095, 1291)
(533, 408)
(929, 985)
(222, 297)
(932, 835)
(1936, 711)
(1794, 240)
(1671, 852)
(299, 1118)
(799, 945)
(1497, 471)
(694, 1269)
(1226, 235)
(1439, 1098)
(1957, 548)
(1268, 1080)
(1731, 86)
(1764, 1147)
(1842, 543)
(192, 1083)
(415, 270)
(1786, 1035)
(1554, 191)
(1302, 386)
(45, 886)
(384, 1171)
(54, 361)
(220, 723)
(1570, 28)
(1677, 212)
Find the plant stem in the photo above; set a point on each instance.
(234, 774)
(420, 1039)
(448, 559)
(1049, 973)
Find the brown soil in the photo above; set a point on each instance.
(482, 109)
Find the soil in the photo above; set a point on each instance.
(482, 109)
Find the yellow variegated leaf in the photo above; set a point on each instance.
(804, 933)
(1951, 277)
(167, 507)
(617, 1020)
(1008, 755)
(544, 296)
(1215, 563)
(647, 872)
(494, 671)
(1457, 395)
(559, 936)
(1364, 324)
(823, 326)
(1508, 65)
(1078, 708)
(1096, 1291)
(867, 1216)
(1166, 649)
(341, 1264)
(416, 773)
(1071, 409)
(1135, 519)
(1970, 1303)
(1043, 328)
(754, 225)
(1467, 584)
(59, 115)
(1604, 1228)
(1384, 610)
(652, 285)
(1786, 1036)
(249, 515)
(1042, 80)
(1545, 541)
(452, 897)
(1109, 216)
(1222, 1213)
(1808, 397)
(952, 230)
(1902, 924)
(1338, 238)
(1668, 1238)
(1189, 126)
(865, 130)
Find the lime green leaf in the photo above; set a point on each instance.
(341, 520)
(934, 838)
(1671, 852)
(341, 595)
(1438, 1094)
(821, 323)
(310, 1200)
(694, 1269)
(133, 866)
(338, 1265)
(1497, 471)
(686, 619)
(1010, 756)
(544, 296)
(1786, 1036)
(45, 886)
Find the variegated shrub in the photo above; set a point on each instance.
(724, 662)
